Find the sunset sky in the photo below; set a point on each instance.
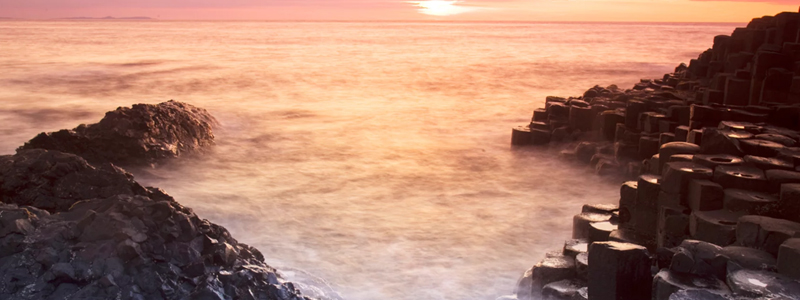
(488, 10)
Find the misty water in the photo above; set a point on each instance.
(369, 160)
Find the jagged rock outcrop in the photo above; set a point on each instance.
(104, 236)
(140, 135)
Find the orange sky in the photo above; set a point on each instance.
(488, 10)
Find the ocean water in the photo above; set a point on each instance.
(366, 160)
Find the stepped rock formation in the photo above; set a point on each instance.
(74, 229)
(714, 204)
(141, 135)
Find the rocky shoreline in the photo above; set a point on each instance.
(712, 211)
(76, 226)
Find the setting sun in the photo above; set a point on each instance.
(440, 8)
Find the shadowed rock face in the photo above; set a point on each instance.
(141, 135)
(104, 236)
(53, 180)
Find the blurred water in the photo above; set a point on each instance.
(371, 158)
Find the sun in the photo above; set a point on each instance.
(440, 7)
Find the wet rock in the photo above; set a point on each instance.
(140, 135)
(574, 247)
(581, 223)
(551, 269)
(696, 295)
(561, 290)
(582, 265)
(667, 282)
(521, 136)
(755, 283)
(599, 231)
(619, 271)
(777, 138)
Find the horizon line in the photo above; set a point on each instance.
(150, 19)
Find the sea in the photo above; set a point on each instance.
(365, 160)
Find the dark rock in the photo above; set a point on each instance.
(667, 283)
(765, 233)
(54, 181)
(717, 226)
(704, 195)
(141, 135)
(619, 271)
(748, 258)
(749, 202)
(789, 258)
(714, 160)
(768, 163)
(740, 177)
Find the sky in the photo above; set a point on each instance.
(459, 10)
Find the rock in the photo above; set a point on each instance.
(677, 175)
(716, 226)
(789, 258)
(789, 205)
(748, 258)
(54, 181)
(561, 290)
(667, 283)
(574, 247)
(755, 283)
(604, 208)
(704, 195)
(717, 141)
(581, 223)
(714, 160)
(768, 163)
(673, 227)
(740, 177)
(682, 261)
(709, 259)
(524, 285)
(749, 202)
(775, 178)
(551, 269)
(141, 135)
(669, 149)
(696, 295)
(758, 147)
(599, 231)
(619, 271)
(582, 265)
(777, 138)
(521, 136)
(765, 233)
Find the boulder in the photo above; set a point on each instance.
(562, 290)
(619, 271)
(143, 134)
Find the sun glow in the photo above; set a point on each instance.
(440, 7)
